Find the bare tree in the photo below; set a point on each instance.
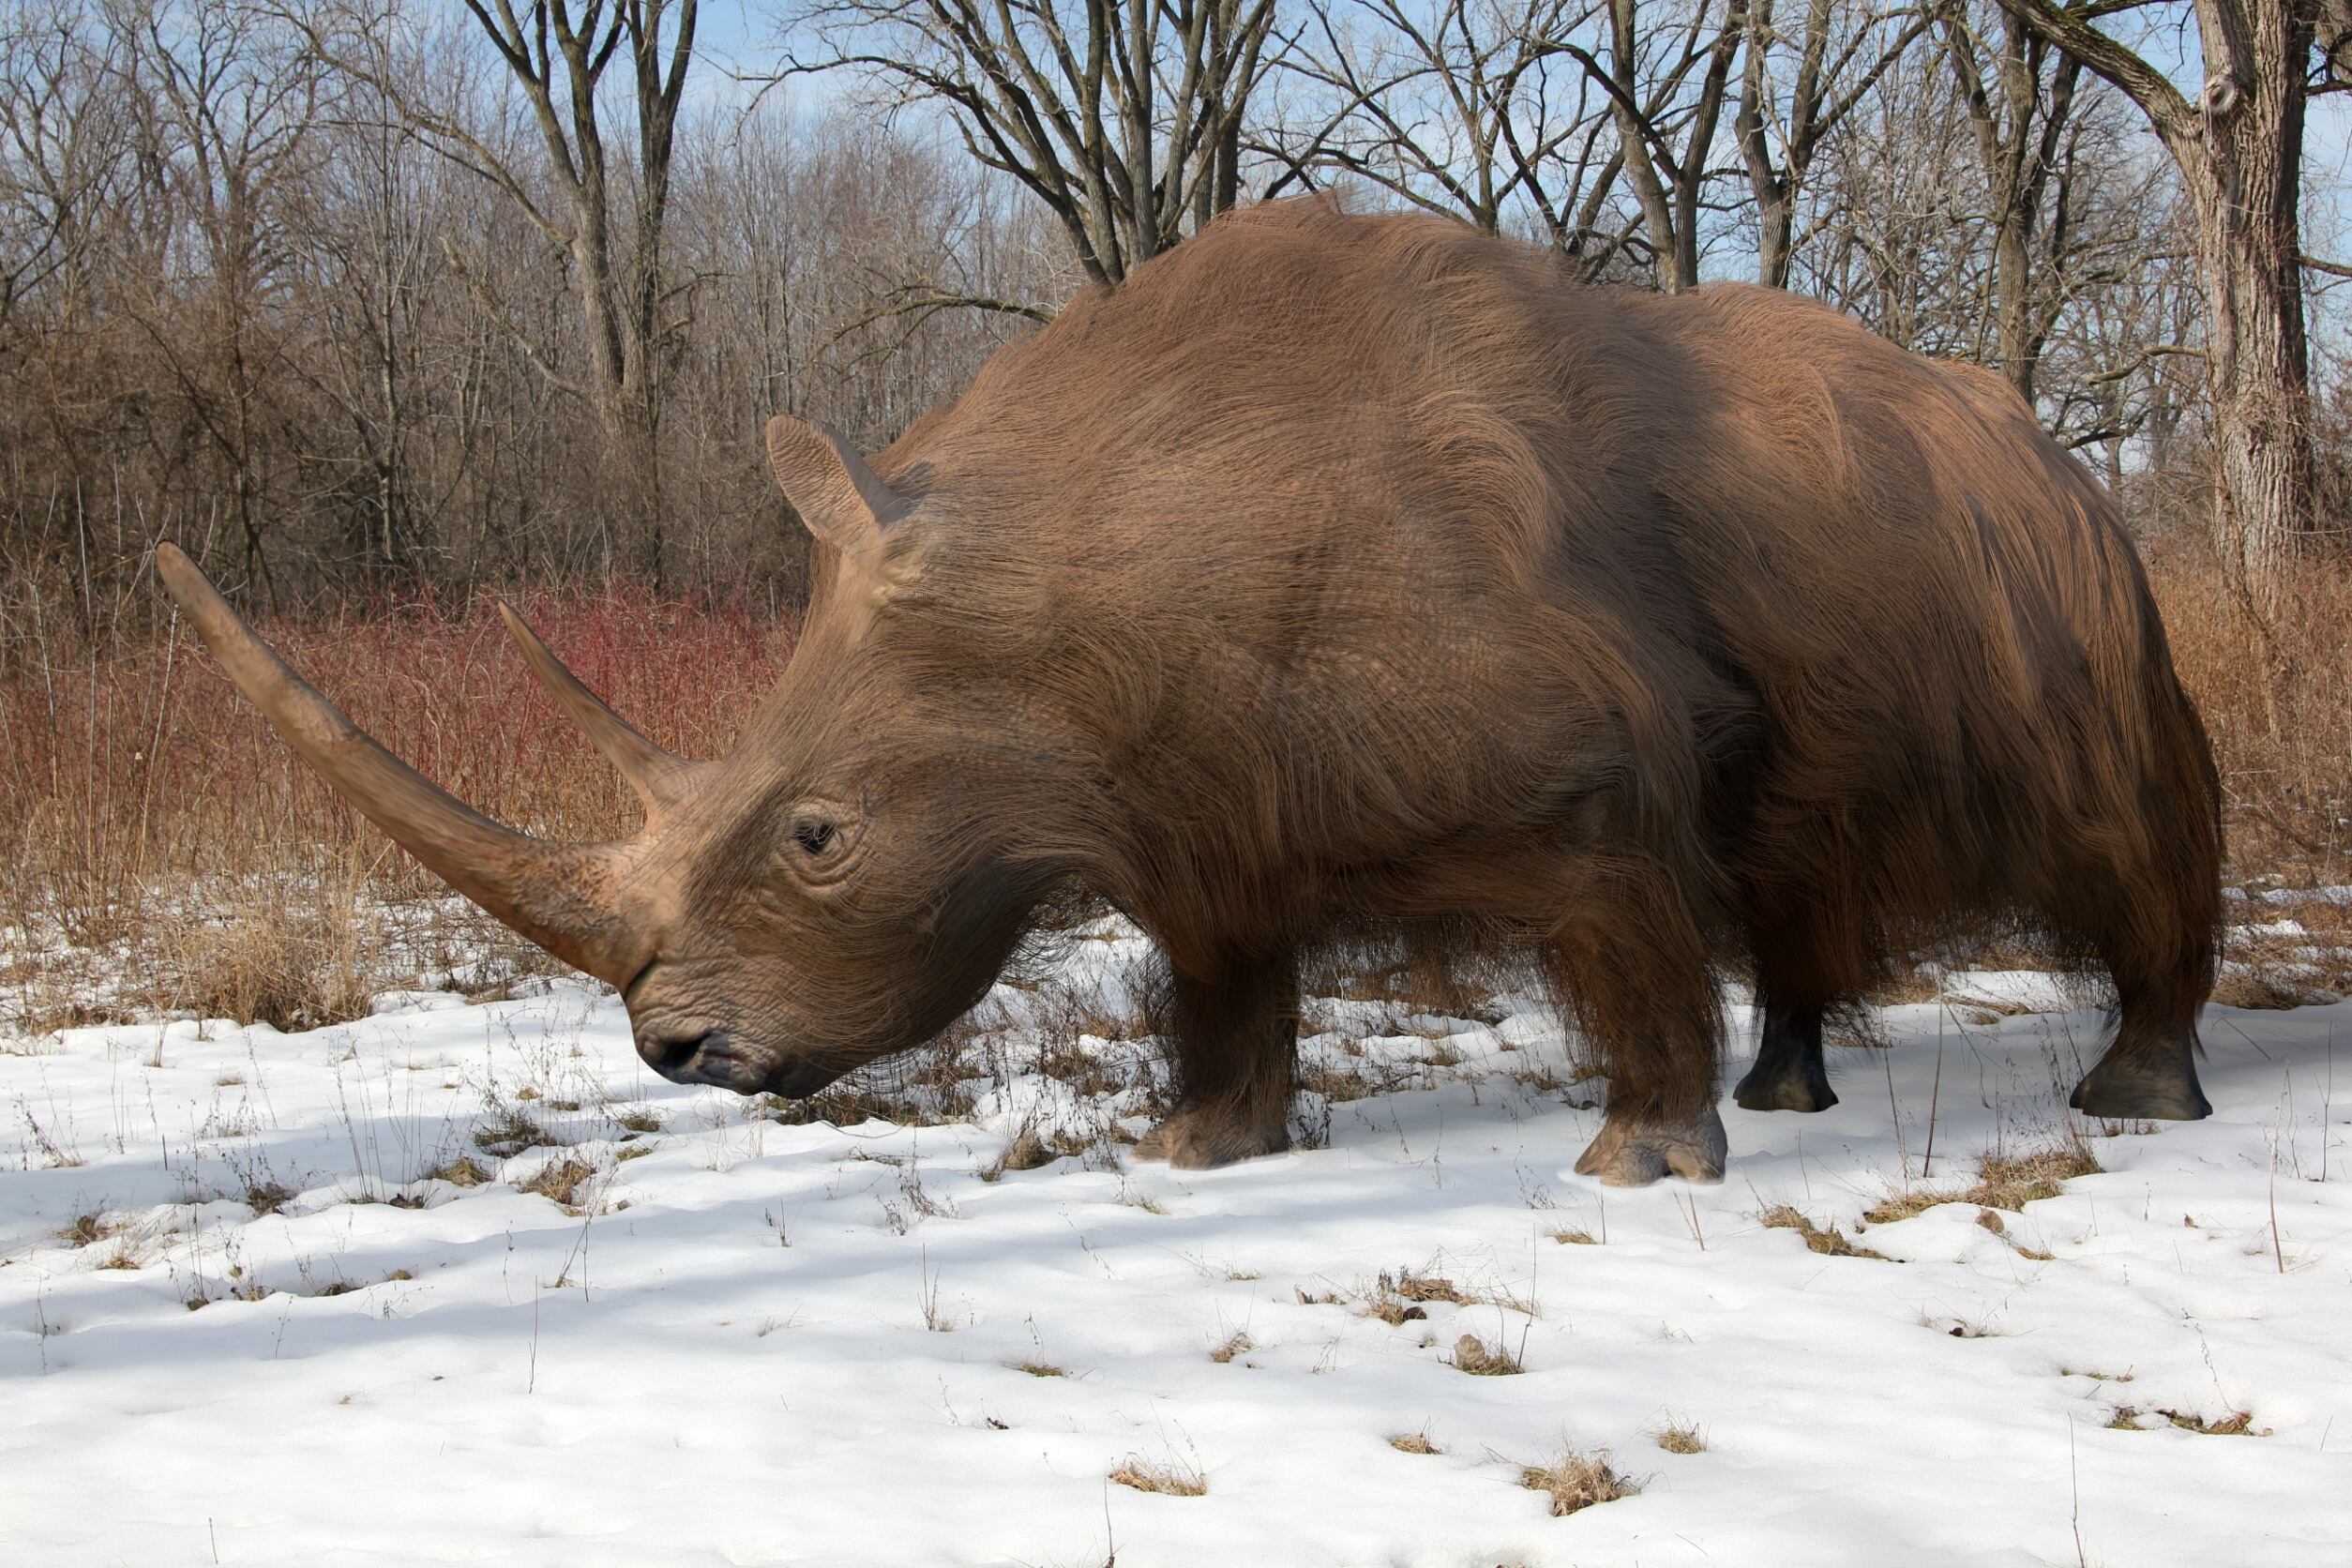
(375, 265)
(1123, 118)
(1999, 207)
(2239, 148)
(1890, 213)
(2020, 98)
(1464, 107)
(63, 137)
(609, 220)
(1666, 86)
(1840, 57)
(227, 110)
(493, 300)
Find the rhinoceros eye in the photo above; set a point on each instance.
(814, 835)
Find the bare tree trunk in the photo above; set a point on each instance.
(1668, 186)
(2239, 151)
(2257, 361)
(2019, 131)
(1832, 78)
(556, 55)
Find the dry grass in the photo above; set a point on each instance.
(1402, 1296)
(2238, 1423)
(1681, 1437)
(1236, 1345)
(1037, 1368)
(1992, 1221)
(2012, 1180)
(1026, 1152)
(2276, 693)
(1830, 1242)
(925, 1090)
(292, 968)
(1415, 1442)
(1173, 1478)
(2004, 1181)
(560, 1180)
(1409, 1285)
(1340, 1085)
(460, 1172)
(268, 1198)
(1479, 1359)
(88, 1230)
(1135, 1198)
(1578, 1481)
(1423, 980)
(507, 1132)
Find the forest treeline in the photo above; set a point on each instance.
(358, 298)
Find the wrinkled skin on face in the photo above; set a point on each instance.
(827, 925)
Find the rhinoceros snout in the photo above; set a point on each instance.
(693, 1055)
(690, 1054)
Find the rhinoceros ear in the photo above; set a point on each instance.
(843, 502)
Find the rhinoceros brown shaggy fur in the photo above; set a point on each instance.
(1340, 576)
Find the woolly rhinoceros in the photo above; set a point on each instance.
(1338, 578)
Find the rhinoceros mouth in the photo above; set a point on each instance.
(796, 1081)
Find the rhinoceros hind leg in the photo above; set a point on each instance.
(1631, 960)
(1636, 1151)
(1788, 1074)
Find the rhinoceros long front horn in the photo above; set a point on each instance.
(564, 896)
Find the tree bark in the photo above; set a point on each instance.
(2248, 251)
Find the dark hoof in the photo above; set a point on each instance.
(1789, 1085)
(2131, 1092)
(1629, 1152)
(1204, 1140)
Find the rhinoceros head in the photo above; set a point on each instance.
(838, 888)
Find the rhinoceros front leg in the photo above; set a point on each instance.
(1236, 1047)
(1634, 1149)
(1632, 962)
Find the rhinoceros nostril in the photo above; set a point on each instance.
(671, 1051)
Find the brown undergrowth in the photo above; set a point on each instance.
(168, 855)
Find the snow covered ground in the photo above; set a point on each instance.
(682, 1332)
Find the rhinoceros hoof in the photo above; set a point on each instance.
(1633, 1153)
(2163, 1090)
(1788, 1085)
(1205, 1137)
